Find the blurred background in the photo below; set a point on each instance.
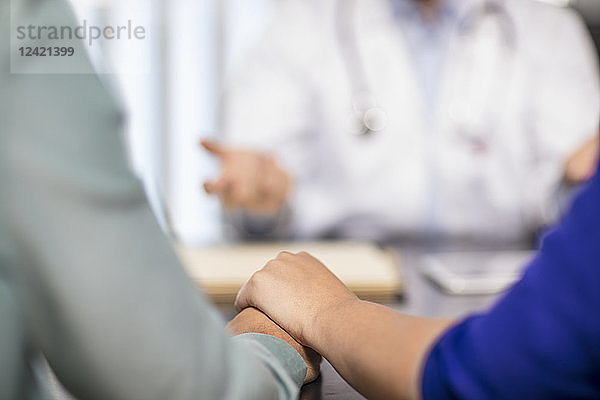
(175, 93)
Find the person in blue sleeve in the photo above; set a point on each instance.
(540, 341)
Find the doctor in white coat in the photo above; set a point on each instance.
(377, 118)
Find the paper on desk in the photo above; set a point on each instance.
(372, 273)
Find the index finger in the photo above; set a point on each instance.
(242, 300)
(213, 148)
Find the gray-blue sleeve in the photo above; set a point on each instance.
(99, 289)
(278, 355)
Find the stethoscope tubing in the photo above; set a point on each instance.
(369, 113)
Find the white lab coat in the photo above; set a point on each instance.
(293, 98)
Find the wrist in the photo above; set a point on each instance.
(327, 324)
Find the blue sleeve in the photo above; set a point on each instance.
(542, 340)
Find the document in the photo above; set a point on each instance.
(372, 273)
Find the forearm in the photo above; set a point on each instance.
(378, 351)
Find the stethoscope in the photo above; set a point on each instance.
(368, 115)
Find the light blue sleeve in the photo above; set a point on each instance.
(98, 288)
(286, 357)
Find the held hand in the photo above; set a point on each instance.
(249, 181)
(251, 320)
(299, 293)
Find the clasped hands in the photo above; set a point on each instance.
(298, 298)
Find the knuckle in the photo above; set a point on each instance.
(284, 254)
(250, 288)
(260, 278)
(271, 265)
(256, 278)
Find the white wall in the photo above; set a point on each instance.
(192, 84)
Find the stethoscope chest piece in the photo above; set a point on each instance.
(375, 120)
(370, 118)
